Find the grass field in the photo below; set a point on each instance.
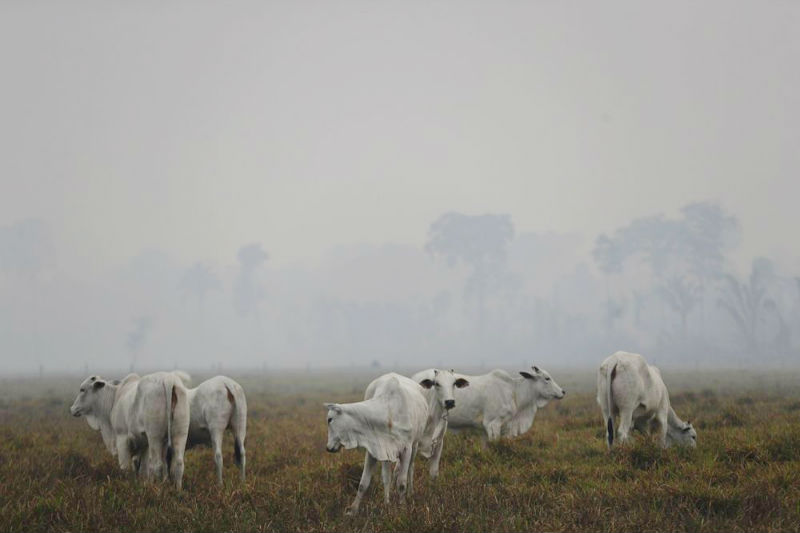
(744, 475)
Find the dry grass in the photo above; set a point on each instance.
(744, 476)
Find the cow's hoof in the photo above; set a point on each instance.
(351, 511)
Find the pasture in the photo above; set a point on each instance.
(744, 475)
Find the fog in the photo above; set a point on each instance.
(311, 184)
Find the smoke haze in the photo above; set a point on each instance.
(465, 183)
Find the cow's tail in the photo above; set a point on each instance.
(238, 420)
(172, 399)
(610, 403)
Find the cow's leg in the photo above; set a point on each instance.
(402, 474)
(216, 444)
(238, 450)
(436, 456)
(155, 458)
(366, 475)
(141, 459)
(123, 452)
(625, 424)
(411, 469)
(605, 413)
(494, 429)
(386, 477)
(660, 421)
(180, 434)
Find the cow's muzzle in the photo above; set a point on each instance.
(75, 411)
(334, 449)
(449, 404)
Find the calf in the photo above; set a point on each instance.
(389, 424)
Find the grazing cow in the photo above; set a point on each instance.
(137, 417)
(502, 405)
(629, 387)
(216, 404)
(389, 424)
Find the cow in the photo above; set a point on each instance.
(499, 404)
(216, 404)
(439, 390)
(627, 386)
(136, 418)
(390, 424)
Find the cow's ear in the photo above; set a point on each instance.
(426, 383)
(526, 375)
(98, 385)
(333, 407)
(536, 369)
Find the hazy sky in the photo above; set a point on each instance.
(199, 127)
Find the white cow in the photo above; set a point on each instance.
(390, 425)
(499, 404)
(439, 390)
(139, 416)
(627, 386)
(216, 404)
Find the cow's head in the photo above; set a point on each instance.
(88, 399)
(684, 435)
(335, 433)
(444, 382)
(544, 385)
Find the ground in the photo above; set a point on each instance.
(744, 475)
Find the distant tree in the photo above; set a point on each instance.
(478, 241)
(137, 337)
(681, 295)
(746, 304)
(26, 248)
(709, 233)
(695, 243)
(684, 255)
(247, 293)
(197, 281)
(609, 255)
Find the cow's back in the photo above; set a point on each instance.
(634, 382)
(210, 395)
(123, 413)
(154, 402)
(403, 399)
(488, 396)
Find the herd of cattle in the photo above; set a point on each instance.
(147, 422)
